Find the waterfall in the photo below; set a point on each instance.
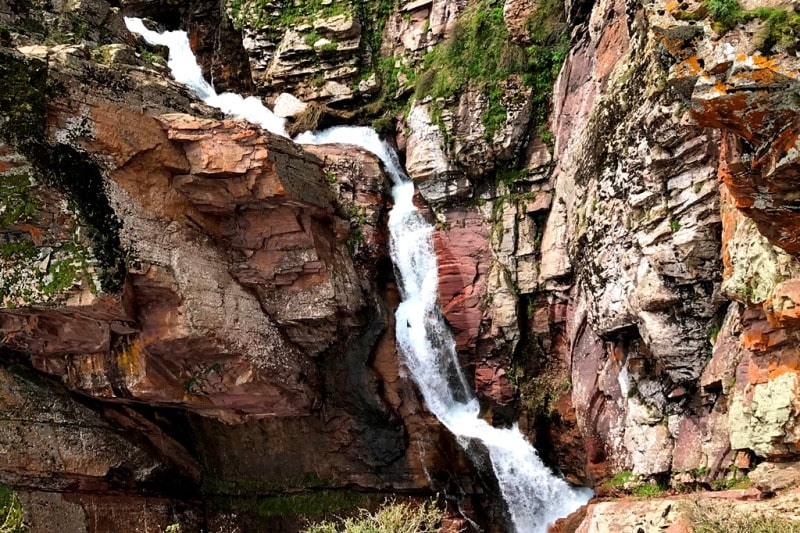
(535, 496)
(185, 70)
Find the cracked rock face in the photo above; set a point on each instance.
(639, 225)
(625, 287)
(225, 287)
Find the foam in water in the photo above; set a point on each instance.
(534, 495)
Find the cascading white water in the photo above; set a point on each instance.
(534, 495)
(185, 70)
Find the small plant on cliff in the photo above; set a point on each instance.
(392, 517)
(649, 491)
(781, 27)
(481, 54)
(727, 13)
(11, 520)
(620, 479)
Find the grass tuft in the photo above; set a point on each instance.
(719, 517)
(392, 517)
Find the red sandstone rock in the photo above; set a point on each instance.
(749, 101)
(463, 255)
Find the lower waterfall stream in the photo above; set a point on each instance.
(535, 496)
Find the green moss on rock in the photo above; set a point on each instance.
(481, 54)
(315, 504)
(266, 14)
(23, 98)
(16, 202)
(309, 504)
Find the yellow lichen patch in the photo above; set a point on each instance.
(672, 6)
(131, 359)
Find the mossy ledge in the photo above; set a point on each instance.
(315, 504)
(23, 107)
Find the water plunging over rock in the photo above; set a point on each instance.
(534, 495)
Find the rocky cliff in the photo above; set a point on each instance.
(197, 315)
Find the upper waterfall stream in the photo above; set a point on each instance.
(534, 495)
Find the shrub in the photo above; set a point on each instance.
(392, 517)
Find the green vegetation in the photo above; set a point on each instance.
(731, 483)
(702, 471)
(355, 240)
(153, 57)
(481, 54)
(34, 276)
(308, 504)
(23, 98)
(81, 179)
(781, 26)
(16, 202)
(630, 483)
(648, 490)
(34, 272)
(726, 13)
(620, 479)
(246, 486)
(719, 517)
(675, 224)
(713, 332)
(11, 520)
(392, 517)
(263, 13)
(23, 104)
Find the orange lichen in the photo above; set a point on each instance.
(757, 375)
(36, 233)
(689, 67)
(764, 62)
(760, 337)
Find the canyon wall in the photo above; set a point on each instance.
(197, 315)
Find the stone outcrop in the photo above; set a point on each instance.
(678, 514)
(206, 287)
(205, 309)
(314, 51)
